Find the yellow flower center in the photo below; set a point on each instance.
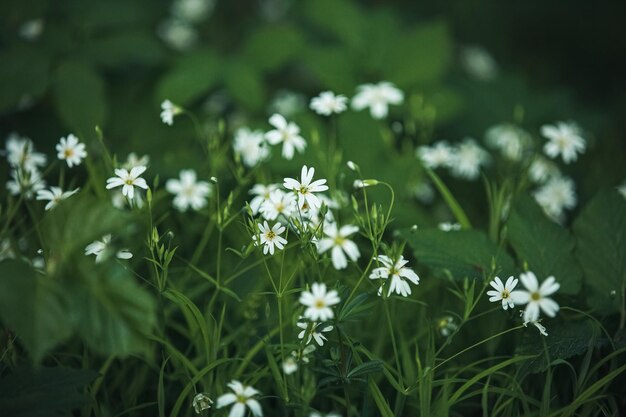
(339, 240)
(319, 303)
(69, 152)
(535, 296)
(270, 235)
(241, 399)
(129, 181)
(506, 294)
(303, 189)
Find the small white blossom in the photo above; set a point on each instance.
(328, 103)
(201, 402)
(243, 396)
(449, 227)
(71, 150)
(337, 239)
(563, 139)
(133, 160)
(398, 272)
(435, 156)
(32, 29)
(20, 152)
(377, 97)
(510, 140)
(101, 249)
(502, 292)
(168, 111)
(287, 103)
(128, 180)
(447, 326)
(262, 194)
(193, 11)
(279, 203)
(467, 160)
(54, 196)
(289, 365)
(478, 63)
(270, 237)
(318, 302)
(250, 146)
(622, 189)
(313, 331)
(305, 189)
(287, 133)
(542, 169)
(536, 297)
(178, 34)
(25, 182)
(189, 192)
(556, 196)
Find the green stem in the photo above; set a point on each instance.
(454, 205)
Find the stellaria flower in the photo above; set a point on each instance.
(327, 103)
(128, 180)
(563, 139)
(509, 139)
(467, 159)
(20, 152)
(318, 302)
(541, 170)
(435, 156)
(250, 146)
(279, 203)
(262, 194)
(287, 133)
(502, 292)
(337, 239)
(536, 297)
(313, 331)
(101, 248)
(189, 192)
(54, 196)
(270, 237)
(377, 97)
(241, 397)
(555, 196)
(25, 182)
(398, 272)
(168, 111)
(305, 189)
(71, 150)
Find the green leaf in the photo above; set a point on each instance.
(193, 77)
(120, 49)
(544, 245)
(366, 368)
(34, 307)
(79, 94)
(563, 341)
(465, 253)
(245, 85)
(332, 66)
(600, 232)
(114, 315)
(342, 19)
(23, 73)
(44, 392)
(272, 46)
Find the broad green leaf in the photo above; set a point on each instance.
(600, 232)
(563, 341)
(23, 76)
(272, 46)
(114, 315)
(245, 85)
(193, 77)
(79, 94)
(120, 49)
(333, 68)
(342, 19)
(544, 245)
(28, 392)
(366, 368)
(465, 253)
(34, 307)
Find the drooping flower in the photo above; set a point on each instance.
(327, 103)
(563, 139)
(289, 365)
(189, 192)
(101, 249)
(133, 160)
(270, 237)
(241, 397)
(337, 239)
(128, 180)
(435, 156)
(536, 297)
(71, 150)
(250, 146)
(377, 97)
(539, 326)
(54, 196)
(287, 133)
(313, 331)
(279, 203)
(318, 302)
(556, 196)
(305, 189)
(168, 111)
(201, 402)
(467, 159)
(502, 292)
(398, 272)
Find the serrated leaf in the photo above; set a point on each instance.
(544, 245)
(34, 307)
(465, 253)
(600, 232)
(79, 94)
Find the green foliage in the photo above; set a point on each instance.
(24, 73)
(600, 232)
(546, 247)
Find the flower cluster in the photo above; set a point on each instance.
(463, 160)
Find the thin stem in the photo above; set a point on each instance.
(393, 340)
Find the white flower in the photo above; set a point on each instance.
(201, 402)
(242, 397)
(25, 182)
(563, 139)
(305, 189)
(20, 152)
(328, 103)
(287, 103)
(290, 365)
(189, 192)
(449, 227)
(447, 326)
(536, 297)
(177, 34)
(398, 272)
(287, 133)
(168, 111)
(101, 249)
(31, 29)
(340, 244)
(377, 97)
(541, 170)
(467, 159)
(262, 194)
(303, 355)
(132, 161)
(128, 180)
(279, 203)
(510, 140)
(71, 150)
(192, 11)
(435, 156)
(502, 291)
(479, 63)
(318, 302)
(250, 146)
(271, 237)
(55, 195)
(555, 196)
(541, 328)
(313, 331)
